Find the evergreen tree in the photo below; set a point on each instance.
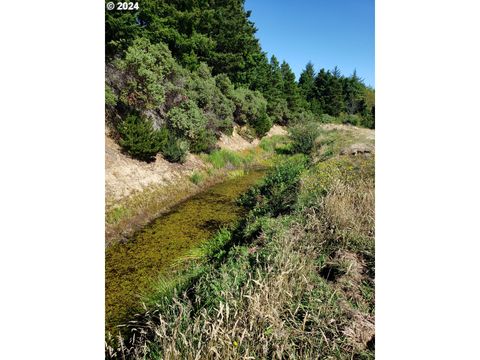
(290, 88)
(334, 103)
(306, 82)
(353, 93)
(320, 91)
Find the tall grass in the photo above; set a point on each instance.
(221, 158)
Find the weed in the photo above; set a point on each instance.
(197, 177)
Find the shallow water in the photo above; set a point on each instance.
(131, 268)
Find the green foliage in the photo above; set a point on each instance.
(214, 249)
(139, 139)
(221, 158)
(269, 144)
(262, 123)
(278, 192)
(251, 109)
(303, 117)
(290, 88)
(327, 119)
(355, 120)
(144, 69)
(247, 132)
(278, 111)
(306, 83)
(196, 177)
(110, 97)
(197, 66)
(186, 120)
(204, 142)
(303, 137)
(203, 90)
(175, 149)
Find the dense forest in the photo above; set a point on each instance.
(180, 73)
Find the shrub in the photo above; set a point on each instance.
(262, 123)
(269, 144)
(139, 139)
(224, 85)
(355, 120)
(278, 192)
(204, 142)
(251, 109)
(175, 149)
(303, 137)
(186, 120)
(327, 119)
(247, 133)
(202, 89)
(368, 120)
(144, 69)
(110, 97)
(303, 117)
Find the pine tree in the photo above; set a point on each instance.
(353, 93)
(290, 88)
(320, 91)
(334, 103)
(306, 82)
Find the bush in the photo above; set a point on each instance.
(247, 133)
(262, 123)
(139, 139)
(355, 120)
(328, 119)
(144, 69)
(303, 137)
(206, 92)
(186, 120)
(110, 97)
(175, 149)
(278, 192)
(251, 109)
(204, 142)
(303, 117)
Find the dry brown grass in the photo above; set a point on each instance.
(350, 209)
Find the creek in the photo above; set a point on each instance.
(132, 267)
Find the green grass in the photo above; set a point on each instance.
(116, 214)
(197, 177)
(221, 158)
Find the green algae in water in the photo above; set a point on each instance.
(132, 267)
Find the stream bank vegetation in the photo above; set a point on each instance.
(123, 217)
(294, 279)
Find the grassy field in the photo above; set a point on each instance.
(295, 279)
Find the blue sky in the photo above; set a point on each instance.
(325, 32)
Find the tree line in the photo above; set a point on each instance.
(181, 72)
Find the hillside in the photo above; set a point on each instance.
(137, 191)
